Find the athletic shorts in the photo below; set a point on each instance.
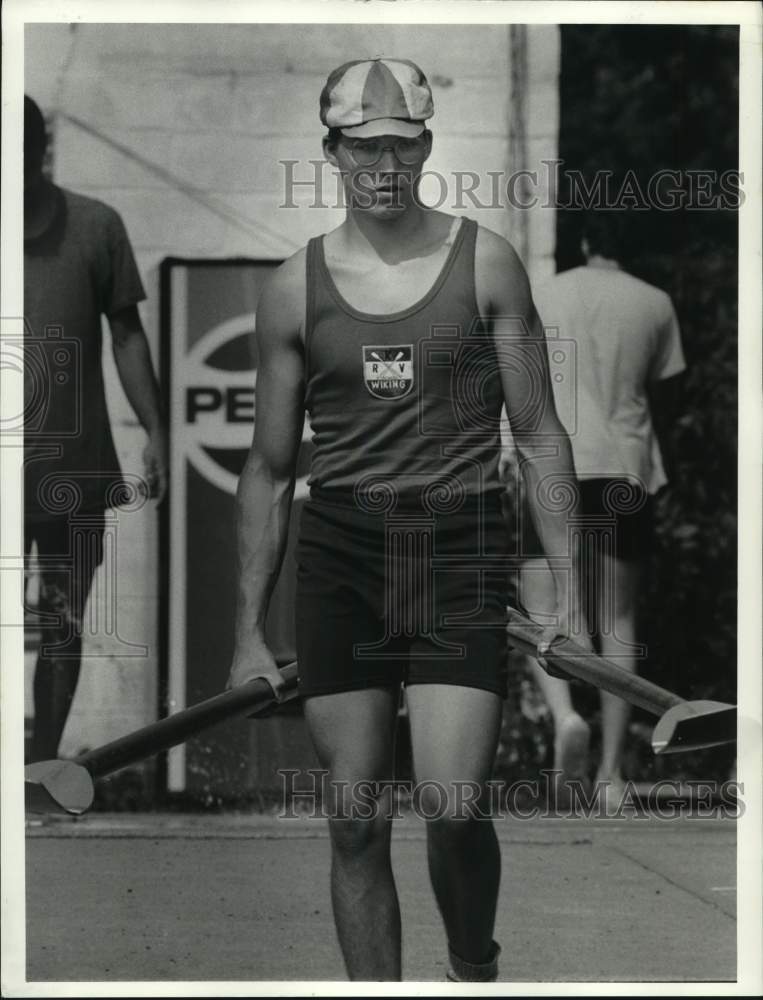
(619, 510)
(403, 597)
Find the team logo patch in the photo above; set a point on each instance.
(388, 371)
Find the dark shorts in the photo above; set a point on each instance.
(401, 597)
(617, 511)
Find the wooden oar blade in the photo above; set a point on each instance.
(67, 786)
(695, 725)
(57, 786)
(682, 725)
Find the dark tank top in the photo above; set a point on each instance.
(405, 404)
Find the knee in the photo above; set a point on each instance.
(354, 838)
(452, 812)
(55, 597)
(456, 835)
(60, 620)
(359, 818)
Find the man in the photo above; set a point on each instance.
(402, 332)
(629, 359)
(78, 266)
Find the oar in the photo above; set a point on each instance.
(682, 725)
(67, 785)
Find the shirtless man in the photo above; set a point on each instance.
(402, 333)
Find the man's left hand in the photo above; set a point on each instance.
(567, 626)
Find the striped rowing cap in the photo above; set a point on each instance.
(384, 96)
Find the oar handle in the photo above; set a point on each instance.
(177, 728)
(576, 661)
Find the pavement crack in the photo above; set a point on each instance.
(672, 881)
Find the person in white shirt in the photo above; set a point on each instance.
(627, 349)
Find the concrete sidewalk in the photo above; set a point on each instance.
(246, 897)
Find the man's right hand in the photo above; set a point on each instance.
(253, 662)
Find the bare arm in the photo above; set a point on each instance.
(266, 486)
(541, 441)
(133, 361)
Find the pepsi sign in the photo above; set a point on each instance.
(209, 371)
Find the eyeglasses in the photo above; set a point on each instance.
(368, 152)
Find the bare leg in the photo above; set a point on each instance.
(353, 734)
(58, 664)
(454, 733)
(55, 682)
(619, 581)
(68, 561)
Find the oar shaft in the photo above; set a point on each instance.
(523, 633)
(574, 660)
(166, 733)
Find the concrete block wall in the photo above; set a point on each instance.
(181, 129)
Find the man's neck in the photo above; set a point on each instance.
(608, 263)
(393, 239)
